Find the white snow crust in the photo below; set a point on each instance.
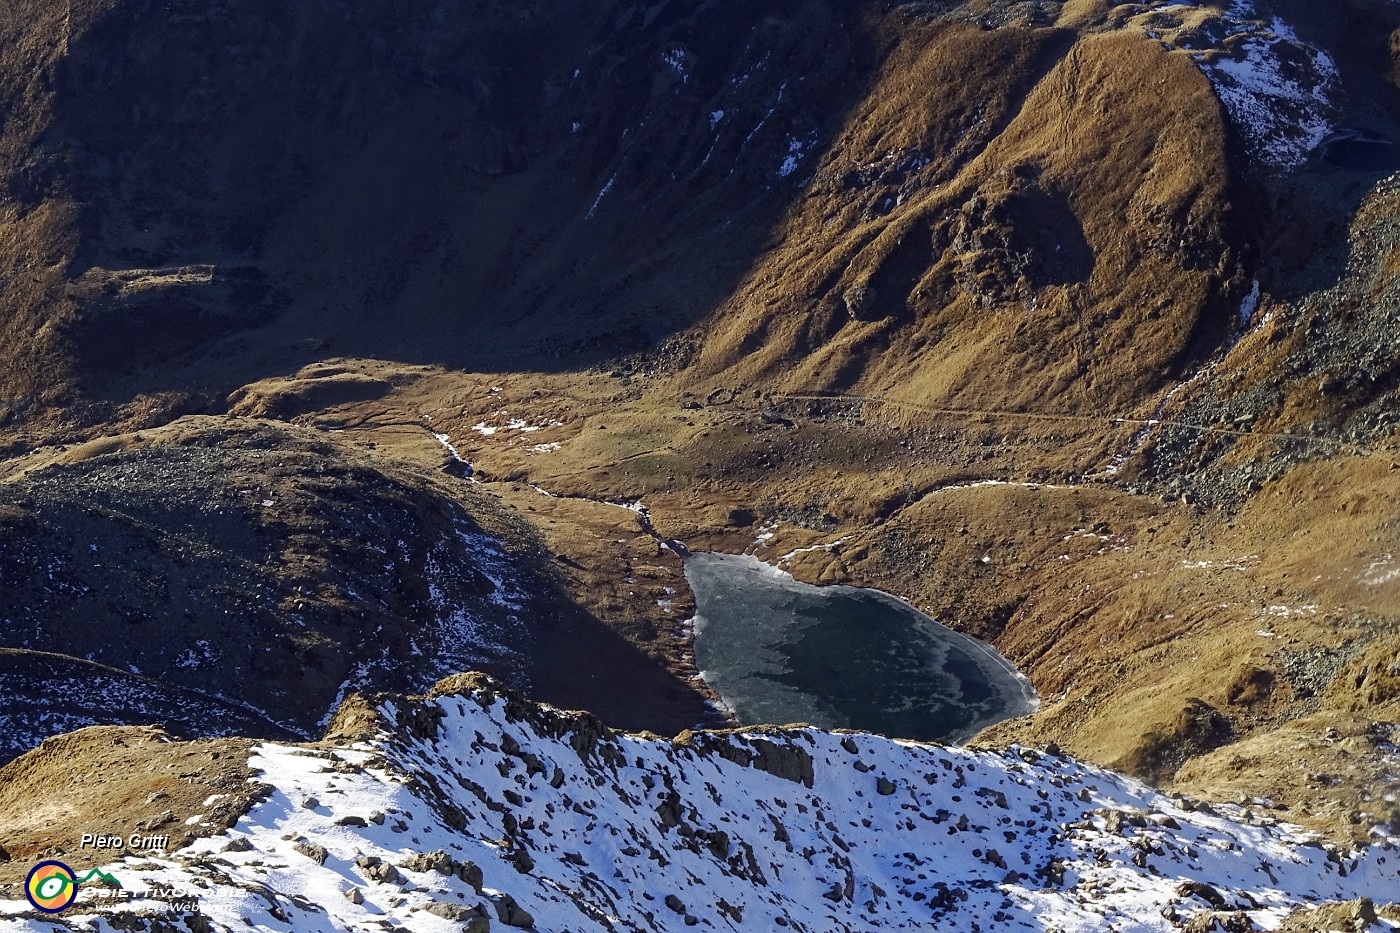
(574, 828)
(1280, 92)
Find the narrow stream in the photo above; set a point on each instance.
(780, 651)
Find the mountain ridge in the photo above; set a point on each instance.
(473, 806)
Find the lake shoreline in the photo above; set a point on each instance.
(842, 656)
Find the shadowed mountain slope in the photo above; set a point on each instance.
(200, 194)
(847, 193)
(258, 573)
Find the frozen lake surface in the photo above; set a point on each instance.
(780, 651)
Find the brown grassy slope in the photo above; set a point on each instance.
(275, 186)
(1221, 655)
(37, 236)
(133, 781)
(1064, 245)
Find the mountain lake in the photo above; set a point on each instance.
(780, 651)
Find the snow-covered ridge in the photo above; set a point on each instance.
(477, 806)
(1280, 92)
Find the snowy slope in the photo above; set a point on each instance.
(1279, 91)
(92, 694)
(482, 805)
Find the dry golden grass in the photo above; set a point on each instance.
(1038, 263)
(132, 781)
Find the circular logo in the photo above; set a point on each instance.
(51, 887)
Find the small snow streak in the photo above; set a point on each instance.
(599, 199)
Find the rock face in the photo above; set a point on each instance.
(645, 833)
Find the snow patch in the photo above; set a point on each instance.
(1381, 571)
(675, 59)
(517, 425)
(796, 150)
(1279, 91)
(787, 558)
(1249, 307)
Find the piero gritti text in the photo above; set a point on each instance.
(146, 843)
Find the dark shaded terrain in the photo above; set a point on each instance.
(258, 573)
(49, 694)
(196, 195)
